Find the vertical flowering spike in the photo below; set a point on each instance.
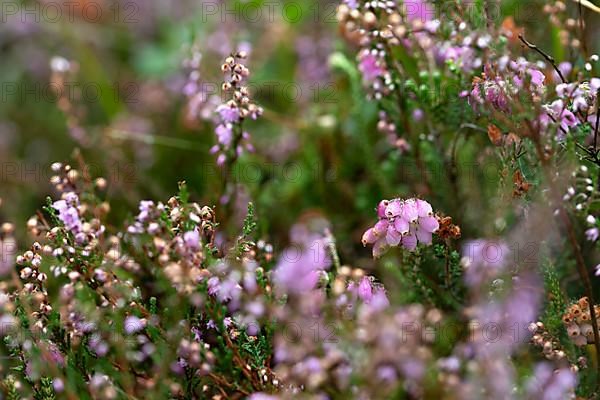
(232, 140)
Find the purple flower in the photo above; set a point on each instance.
(548, 384)
(262, 396)
(213, 285)
(133, 324)
(404, 222)
(54, 355)
(379, 301)
(68, 213)
(353, 4)
(145, 208)
(178, 367)
(299, 268)
(192, 240)
(370, 66)
(224, 134)
(495, 95)
(387, 373)
(484, 259)
(58, 385)
(419, 10)
(412, 368)
(537, 77)
(295, 276)
(592, 234)
(228, 113)
(97, 345)
(365, 290)
(418, 114)
(562, 115)
(565, 68)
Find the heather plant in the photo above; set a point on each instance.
(421, 223)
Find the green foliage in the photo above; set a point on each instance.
(9, 389)
(45, 391)
(555, 303)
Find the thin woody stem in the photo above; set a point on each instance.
(579, 260)
(547, 56)
(587, 283)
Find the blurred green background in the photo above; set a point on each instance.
(317, 148)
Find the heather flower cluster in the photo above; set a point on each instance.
(176, 257)
(231, 137)
(578, 322)
(404, 223)
(499, 89)
(302, 265)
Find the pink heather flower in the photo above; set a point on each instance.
(387, 373)
(353, 4)
(224, 134)
(484, 259)
(370, 66)
(381, 207)
(133, 324)
(597, 273)
(262, 396)
(58, 385)
(53, 354)
(369, 293)
(537, 77)
(365, 290)
(523, 69)
(592, 234)
(98, 346)
(228, 113)
(68, 213)
(403, 223)
(295, 274)
(299, 269)
(495, 95)
(556, 113)
(379, 301)
(548, 384)
(419, 10)
(412, 368)
(418, 114)
(145, 209)
(213, 285)
(565, 68)
(192, 240)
